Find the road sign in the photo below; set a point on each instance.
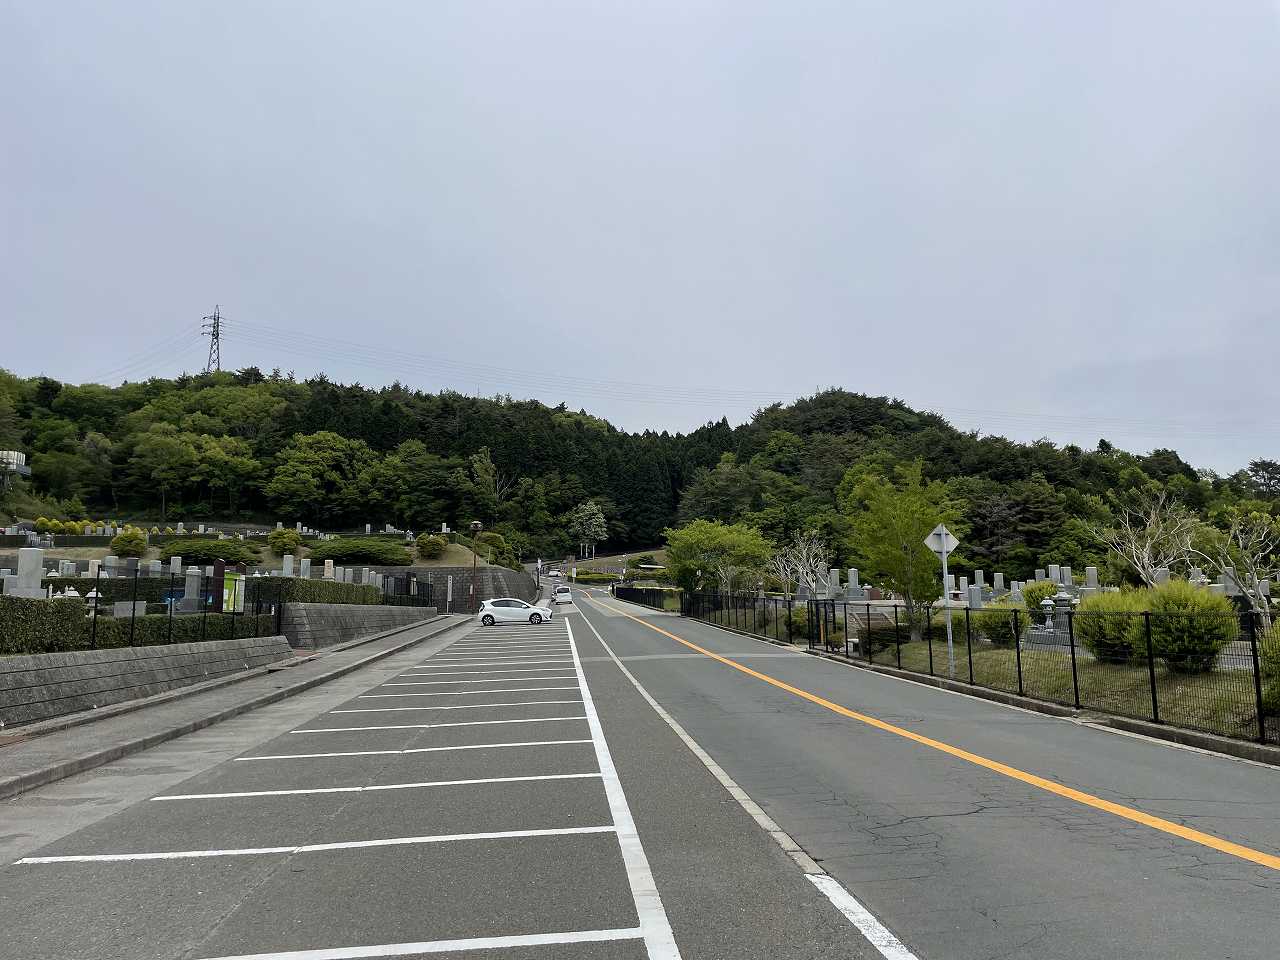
(941, 541)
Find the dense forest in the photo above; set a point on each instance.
(251, 447)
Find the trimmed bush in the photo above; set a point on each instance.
(361, 550)
(431, 547)
(284, 541)
(129, 543)
(1104, 623)
(1269, 654)
(186, 628)
(205, 552)
(1000, 622)
(1033, 595)
(295, 590)
(41, 626)
(1189, 626)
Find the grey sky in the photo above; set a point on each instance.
(1038, 218)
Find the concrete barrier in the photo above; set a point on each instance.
(311, 626)
(47, 685)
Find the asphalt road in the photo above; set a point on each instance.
(974, 830)
(509, 795)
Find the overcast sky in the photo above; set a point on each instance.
(1050, 219)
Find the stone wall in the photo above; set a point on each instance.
(490, 582)
(46, 685)
(310, 626)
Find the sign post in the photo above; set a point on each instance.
(941, 541)
(448, 597)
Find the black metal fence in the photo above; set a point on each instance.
(654, 597)
(407, 591)
(1199, 671)
(772, 618)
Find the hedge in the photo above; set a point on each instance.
(206, 552)
(284, 541)
(41, 626)
(295, 590)
(1189, 626)
(431, 547)
(129, 543)
(361, 550)
(148, 630)
(110, 589)
(1000, 621)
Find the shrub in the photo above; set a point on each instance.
(1269, 654)
(129, 543)
(1033, 595)
(1000, 622)
(361, 550)
(204, 552)
(284, 541)
(188, 628)
(155, 529)
(1189, 626)
(42, 524)
(431, 547)
(40, 626)
(297, 590)
(1105, 622)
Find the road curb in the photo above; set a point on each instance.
(13, 786)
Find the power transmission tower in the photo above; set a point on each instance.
(212, 328)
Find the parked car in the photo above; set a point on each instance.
(562, 594)
(507, 609)
(554, 573)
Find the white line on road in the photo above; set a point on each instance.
(562, 655)
(384, 753)
(373, 787)
(463, 673)
(460, 693)
(659, 941)
(316, 847)
(480, 662)
(445, 946)
(454, 706)
(430, 726)
(437, 683)
(890, 947)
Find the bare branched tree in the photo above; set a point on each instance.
(1152, 530)
(782, 568)
(1249, 547)
(804, 560)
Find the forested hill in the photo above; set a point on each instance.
(244, 446)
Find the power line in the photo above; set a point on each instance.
(212, 327)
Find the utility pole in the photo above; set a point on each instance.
(212, 328)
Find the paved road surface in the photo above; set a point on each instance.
(514, 794)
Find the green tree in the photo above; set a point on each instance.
(709, 551)
(586, 525)
(315, 474)
(890, 520)
(165, 459)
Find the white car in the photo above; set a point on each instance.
(562, 594)
(507, 609)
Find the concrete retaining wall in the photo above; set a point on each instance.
(490, 582)
(46, 685)
(310, 626)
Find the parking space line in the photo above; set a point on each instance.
(481, 662)
(429, 726)
(446, 946)
(372, 788)
(659, 941)
(454, 706)
(436, 683)
(316, 847)
(459, 693)
(463, 673)
(383, 753)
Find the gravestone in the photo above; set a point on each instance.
(1055, 573)
(950, 583)
(1091, 577)
(1162, 575)
(1067, 579)
(180, 528)
(287, 569)
(190, 602)
(328, 569)
(1015, 593)
(130, 566)
(368, 528)
(155, 568)
(298, 526)
(128, 608)
(1039, 574)
(175, 566)
(964, 586)
(975, 598)
(26, 582)
(833, 583)
(279, 524)
(364, 575)
(979, 579)
(1218, 589)
(109, 563)
(999, 583)
(200, 529)
(94, 566)
(304, 568)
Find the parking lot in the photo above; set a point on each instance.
(468, 802)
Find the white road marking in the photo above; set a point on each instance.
(384, 753)
(659, 941)
(316, 847)
(445, 946)
(373, 787)
(463, 673)
(436, 683)
(430, 726)
(459, 693)
(889, 946)
(486, 655)
(480, 662)
(454, 706)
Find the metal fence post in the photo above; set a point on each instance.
(1151, 668)
(1017, 647)
(897, 635)
(169, 638)
(1257, 676)
(133, 604)
(789, 620)
(867, 631)
(279, 607)
(204, 603)
(928, 634)
(968, 642)
(1071, 637)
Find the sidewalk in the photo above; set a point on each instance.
(46, 757)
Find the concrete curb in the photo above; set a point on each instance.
(13, 786)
